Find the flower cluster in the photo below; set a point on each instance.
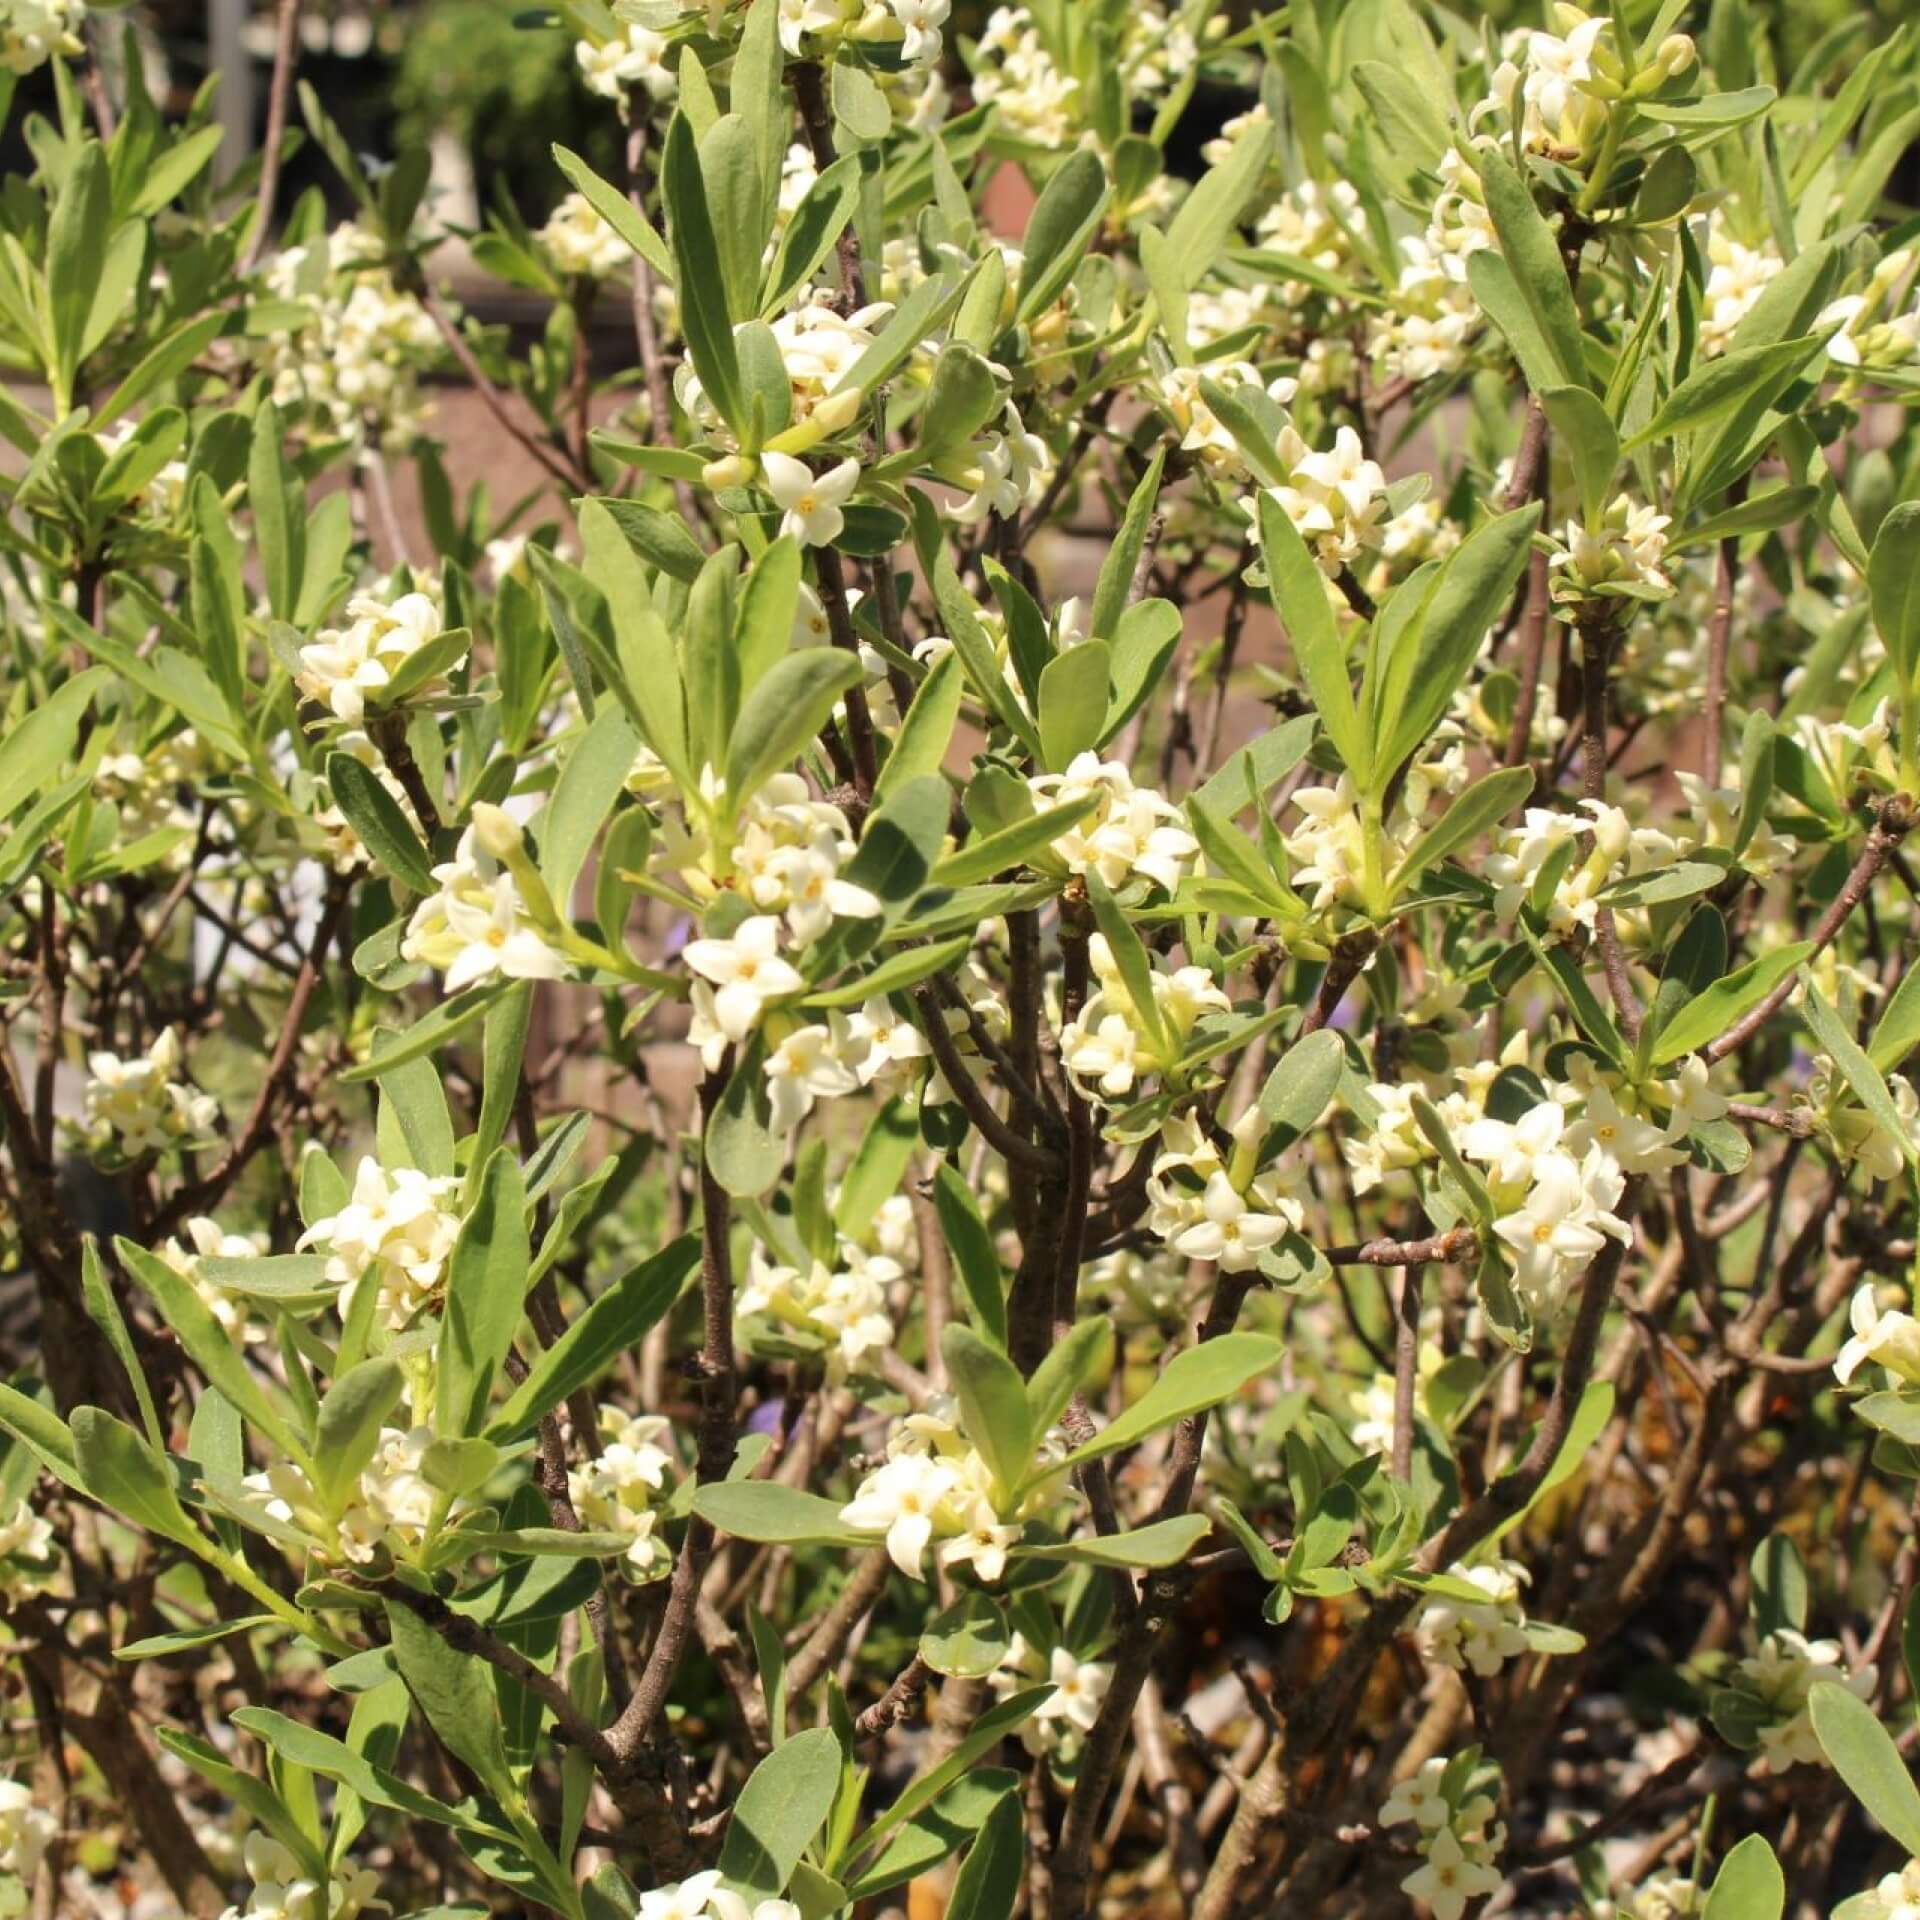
(1064, 1719)
(840, 1307)
(391, 1512)
(618, 1489)
(398, 1230)
(32, 32)
(1127, 831)
(356, 357)
(283, 1890)
(346, 669)
(1451, 1804)
(1775, 1685)
(935, 1486)
(138, 1106)
(479, 925)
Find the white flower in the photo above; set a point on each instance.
(33, 31)
(1563, 1222)
(801, 17)
(748, 971)
(343, 668)
(136, 1106)
(578, 241)
(1889, 1339)
(1079, 1689)
(1481, 1637)
(1450, 1878)
(1228, 1232)
(1129, 830)
(690, 1899)
(1509, 1150)
(811, 1063)
(477, 925)
(1419, 1799)
(638, 59)
(397, 1228)
(811, 503)
(901, 1500)
(883, 1039)
(983, 1547)
(26, 1831)
(1781, 1675)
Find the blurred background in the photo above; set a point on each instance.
(489, 96)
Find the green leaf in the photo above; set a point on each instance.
(379, 822)
(77, 232)
(812, 232)
(1302, 1082)
(1115, 583)
(1868, 1083)
(1470, 814)
(967, 1238)
(743, 1152)
(1779, 1586)
(936, 1831)
(1473, 589)
(277, 498)
(1532, 254)
(1068, 1364)
(920, 749)
(1073, 701)
(38, 747)
(333, 1759)
(1496, 290)
(348, 1429)
(1706, 1017)
(123, 1472)
(741, 216)
(993, 1404)
(1163, 1544)
(456, 1694)
(1591, 443)
(699, 277)
(904, 969)
(982, 1737)
(591, 781)
(962, 395)
(1059, 230)
(961, 619)
(1864, 1756)
(967, 1640)
(989, 1882)
(96, 1292)
(617, 1321)
(783, 1805)
(1413, 127)
(207, 1344)
(1299, 592)
(1733, 379)
(430, 1032)
(768, 1513)
(783, 715)
(1749, 1885)
(161, 1646)
(987, 854)
(246, 1791)
(486, 1284)
(1893, 586)
(641, 638)
(1199, 1378)
(1898, 1031)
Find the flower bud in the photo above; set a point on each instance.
(732, 470)
(838, 411)
(498, 832)
(1676, 54)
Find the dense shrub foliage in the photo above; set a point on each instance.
(1085, 1096)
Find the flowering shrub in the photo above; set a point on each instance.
(1088, 1096)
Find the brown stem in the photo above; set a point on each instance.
(1719, 630)
(1446, 1249)
(1406, 1368)
(1893, 824)
(203, 1195)
(286, 43)
(833, 596)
